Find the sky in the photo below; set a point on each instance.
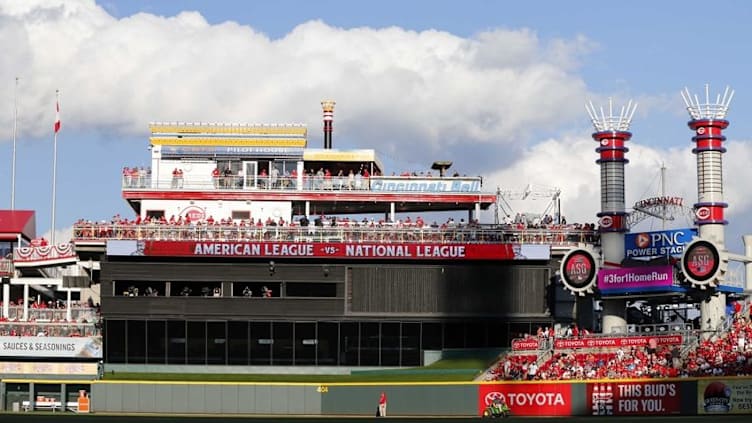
(498, 87)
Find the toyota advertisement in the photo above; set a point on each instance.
(527, 399)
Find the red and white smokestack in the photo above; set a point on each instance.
(611, 133)
(708, 122)
(328, 106)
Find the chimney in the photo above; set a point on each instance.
(328, 106)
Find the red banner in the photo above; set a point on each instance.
(527, 344)
(633, 398)
(529, 399)
(337, 250)
(607, 342)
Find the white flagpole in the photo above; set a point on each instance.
(54, 167)
(13, 166)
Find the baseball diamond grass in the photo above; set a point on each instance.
(447, 370)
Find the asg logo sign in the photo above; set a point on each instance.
(701, 130)
(606, 221)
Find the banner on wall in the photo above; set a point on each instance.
(724, 396)
(334, 250)
(46, 368)
(527, 399)
(633, 398)
(50, 346)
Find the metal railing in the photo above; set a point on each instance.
(77, 314)
(459, 184)
(49, 329)
(83, 231)
(6, 267)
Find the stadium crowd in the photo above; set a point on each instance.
(724, 353)
(51, 319)
(329, 228)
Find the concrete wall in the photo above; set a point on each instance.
(206, 398)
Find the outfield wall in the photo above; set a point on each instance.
(594, 398)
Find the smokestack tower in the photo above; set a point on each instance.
(708, 122)
(611, 133)
(328, 107)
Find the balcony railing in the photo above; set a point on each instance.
(392, 184)
(566, 235)
(77, 314)
(49, 329)
(6, 267)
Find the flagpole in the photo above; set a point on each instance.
(54, 165)
(13, 166)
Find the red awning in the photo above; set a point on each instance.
(14, 222)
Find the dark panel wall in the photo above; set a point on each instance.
(460, 290)
(476, 289)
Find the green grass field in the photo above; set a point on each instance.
(447, 370)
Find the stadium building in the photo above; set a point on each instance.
(250, 248)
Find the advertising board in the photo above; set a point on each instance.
(50, 346)
(668, 243)
(633, 398)
(636, 279)
(333, 250)
(527, 399)
(724, 396)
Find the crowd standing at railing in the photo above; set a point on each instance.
(50, 319)
(342, 229)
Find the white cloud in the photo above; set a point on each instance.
(403, 91)
(569, 164)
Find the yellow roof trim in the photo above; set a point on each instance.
(241, 142)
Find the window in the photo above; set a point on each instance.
(156, 342)
(196, 342)
(176, 344)
(115, 341)
(305, 343)
(237, 343)
(155, 214)
(216, 342)
(136, 338)
(241, 215)
(310, 289)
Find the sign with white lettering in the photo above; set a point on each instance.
(241, 151)
(50, 346)
(608, 342)
(528, 399)
(633, 398)
(411, 184)
(636, 279)
(658, 243)
(333, 250)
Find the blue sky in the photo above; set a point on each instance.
(497, 86)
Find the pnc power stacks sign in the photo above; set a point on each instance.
(654, 244)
